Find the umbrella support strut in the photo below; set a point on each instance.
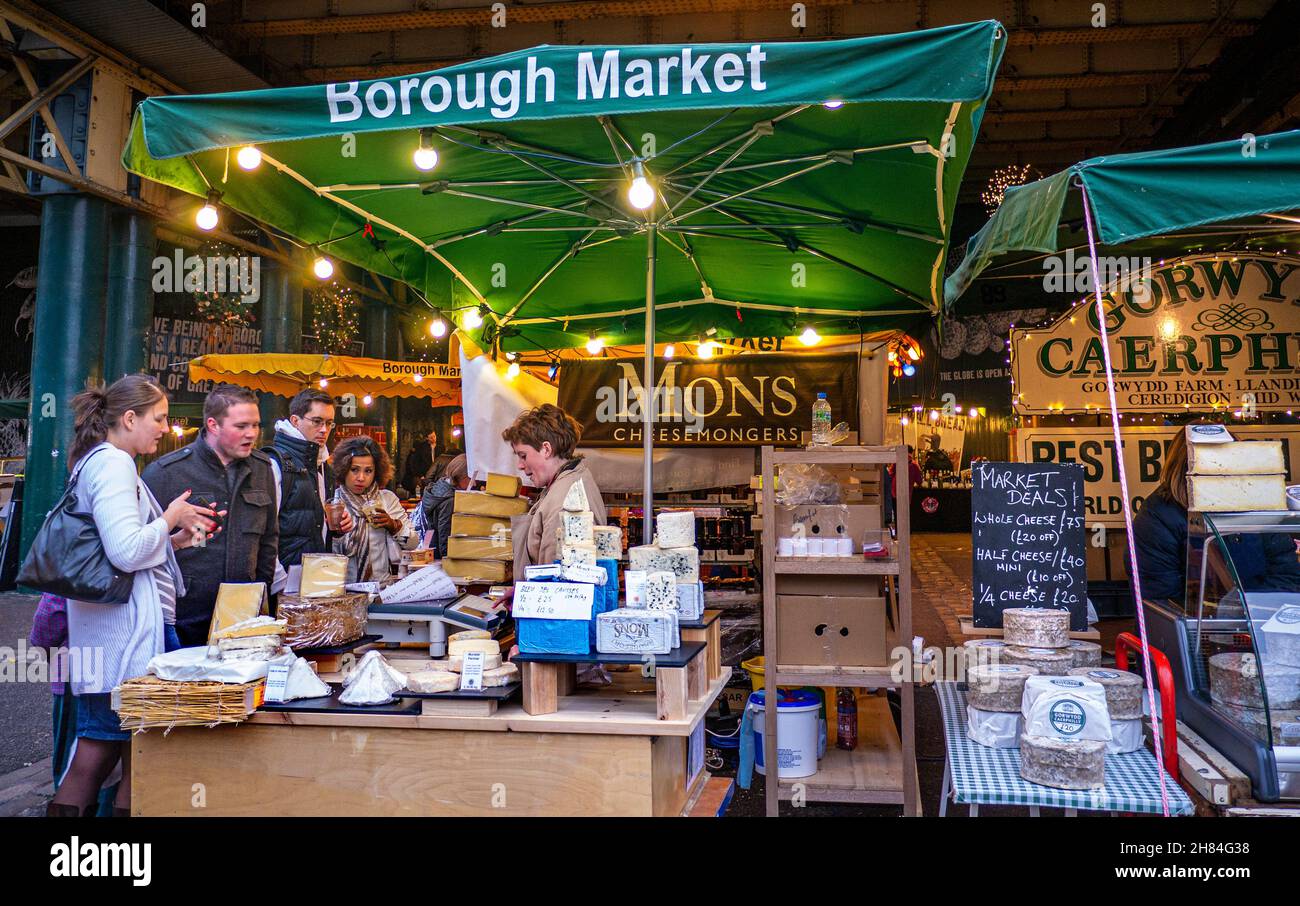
(648, 401)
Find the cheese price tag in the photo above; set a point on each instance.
(471, 671)
(553, 600)
(277, 678)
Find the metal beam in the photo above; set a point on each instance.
(45, 95)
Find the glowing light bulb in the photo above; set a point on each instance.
(206, 218)
(833, 104)
(974, 413)
(706, 349)
(367, 400)
(473, 319)
(324, 383)
(322, 267)
(913, 354)
(425, 158)
(641, 194)
(905, 421)
(438, 327)
(513, 371)
(809, 337)
(595, 344)
(417, 378)
(455, 432)
(553, 370)
(248, 158)
(934, 415)
(909, 369)
(669, 351)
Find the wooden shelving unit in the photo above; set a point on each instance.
(882, 769)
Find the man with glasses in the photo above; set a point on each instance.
(298, 454)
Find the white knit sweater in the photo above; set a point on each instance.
(136, 540)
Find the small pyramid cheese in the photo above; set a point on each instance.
(432, 681)
(303, 682)
(575, 500)
(500, 676)
(372, 683)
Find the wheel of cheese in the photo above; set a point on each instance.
(432, 681)
(1036, 627)
(1066, 764)
(983, 651)
(1285, 724)
(997, 687)
(469, 634)
(1123, 690)
(1085, 654)
(1235, 680)
(500, 676)
(1047, 661)
(457, 663)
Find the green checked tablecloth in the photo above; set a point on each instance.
(986, 776)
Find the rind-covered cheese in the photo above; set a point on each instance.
(477, 570)
(466, 548)
(427, 681)
(608, 540)
(1235, 680)
(323, 575)
(661, 591)
(502, 485)
(676, 528)
(575, 499)
(683, 562)
(1085, 654)
(504, 675)
(1064, 764)
(633, 631)
(578, 554)
(456, 664)
(995, 729)
(1036, 627)
(1240, 457)
(1285, 723)
(1048, 661)
(480, 526)
(1236, 493)
(1067, 707)
(577, 528)
(477, 503)
(460, 646)
(464, 634)
(1123, 690)
(997, 687)
(983, 651)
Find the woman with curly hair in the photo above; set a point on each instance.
(544, 440)
(380, 526)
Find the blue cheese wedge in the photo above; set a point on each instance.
(634, 631)
(609, 540)
(575, 499)
(577, 528)
(676, 528)
(682, 562)
(578, 555)
(690, 600)
(661, 591)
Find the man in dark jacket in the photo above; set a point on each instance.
(439, 501)
(223, 467)
(302, 484)
(417, 463)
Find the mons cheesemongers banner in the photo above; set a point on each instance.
(1195, 333)
(733, 401)
(1144, 455)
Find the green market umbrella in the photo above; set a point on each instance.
(791, 183)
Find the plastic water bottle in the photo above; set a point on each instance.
(821, 421)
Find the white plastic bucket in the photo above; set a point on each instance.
(796, 733)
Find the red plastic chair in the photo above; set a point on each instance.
(1165, 677)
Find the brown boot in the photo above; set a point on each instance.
(60, 810)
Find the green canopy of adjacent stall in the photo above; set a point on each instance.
(793, 183)
(1215, 197)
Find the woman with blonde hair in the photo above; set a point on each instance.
(113, 426)
(1263, 562)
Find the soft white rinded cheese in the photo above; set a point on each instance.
(609, 540)
(469, 634)
(1236, 493)
(575, 499)
(633, 631)
(373, 682)
(1036, 627)
(661, 591)
(683, 562)
(577, 528)
(455, 664)
(432, 681)
(257, 648)
(1123, 690)
(676, 528)
(1067, 707)
(1241, 457)
(581, 572)
(500, 676)
(257, 626)
(303, 682)
(1061, 763)
(578, 554)
(460, 646)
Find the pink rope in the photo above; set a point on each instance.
(1128, 509)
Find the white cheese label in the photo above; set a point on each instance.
(471, 671)
(553, 600)
(1285, 620)
(543, 571)
(581, 572)
(277, 678)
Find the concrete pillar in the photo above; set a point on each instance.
(68, 346)
(131, 250)
(381, 343)
(281, 331)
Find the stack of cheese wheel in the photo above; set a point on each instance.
(1238, 686)
(994, 692)
(1084, 654)
(1037, 637)
(1123, 702)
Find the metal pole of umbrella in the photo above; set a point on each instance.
(648, 396)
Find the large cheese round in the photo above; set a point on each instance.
(456, 664)
(983, 651)
(500, 676)
(1085, 654)
(1285, 724)
(1036, 627)
(432, 681)
(1067, 764)
(1047, 661)
(1123, 690)
(997, 687)
(1235, 680)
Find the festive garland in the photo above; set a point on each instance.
(226, 308)
(335, 319)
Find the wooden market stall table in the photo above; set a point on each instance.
(980, 775)
(602, 752)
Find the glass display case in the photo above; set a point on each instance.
(1239, 642)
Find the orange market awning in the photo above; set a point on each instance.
(284, 374)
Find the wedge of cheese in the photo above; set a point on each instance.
(1239, 457)
(1236, 493)
(578, 554)
(609, 540)
(502, 485)
(577, 528)
(481, 526)
(257, 626)
(457, 664)
(500, 676)
(477, 570)
(432, 681)
(477, 503)
(458, 647)
(323, 575)
(676, 528)
(465, 548)
(575, 499)
(237, 602)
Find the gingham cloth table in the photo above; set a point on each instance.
(979, 775)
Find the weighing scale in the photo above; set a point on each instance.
(420, 624)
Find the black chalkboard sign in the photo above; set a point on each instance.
(1027, 539)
